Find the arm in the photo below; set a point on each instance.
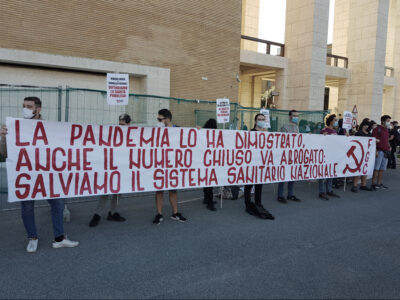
(3, 141)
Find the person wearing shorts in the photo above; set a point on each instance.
(381, 133)
(165, 120)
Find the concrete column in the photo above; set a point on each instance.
(392, 57)
(364, 43)
(305, 47)
(250, 16)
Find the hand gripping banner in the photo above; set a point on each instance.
(62, 160)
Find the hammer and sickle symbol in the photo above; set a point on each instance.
(358, 163)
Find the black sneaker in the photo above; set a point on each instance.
(211, 207)
(365, 188)
(381, 186)
(178, 217)
(293, 198)
(251, 209)
(374, 187)
(282, 200)
(158, 219)
(263, 213)
(95, 220)
(323, 196)
(115, 217)
(354, 189)
(332, 194)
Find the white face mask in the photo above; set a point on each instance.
(387, 124)
(160, 124)
(28, 113)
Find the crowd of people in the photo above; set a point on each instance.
(387, 136)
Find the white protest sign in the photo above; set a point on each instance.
(347, 120)
(265, 112)
(223, 110)
(88, 160)
(117, 89)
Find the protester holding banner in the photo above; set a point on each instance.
(31, 110)
(124, 120)
(165, 120)
(208, 191)
(363, 131)
(325, 185)
(256, 209)
(291, 127)
(381, 133)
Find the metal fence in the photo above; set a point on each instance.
(90, 107)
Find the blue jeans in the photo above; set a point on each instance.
(28, 217)
(281, 186)
(325, 185)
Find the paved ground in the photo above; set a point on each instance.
(341, 248)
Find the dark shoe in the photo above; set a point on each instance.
(251, 209)
(381, 186)
(158, 219)
(293, 198)
(365, 188)
(211, 207)
(373, 187)
(94, 221)
(282, 200)
(354, 189)
(323, 196)
(205, 201)
(115, 217)
(178, 217)
(263, 213)
(332, 194)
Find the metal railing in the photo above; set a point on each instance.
(268, 44)
(90, 107)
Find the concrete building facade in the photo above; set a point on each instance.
(194, 49)
(359, 69)
(178, 48)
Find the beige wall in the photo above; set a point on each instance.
(360, 32)
(250, 18)
(194, 39)
(305, 47)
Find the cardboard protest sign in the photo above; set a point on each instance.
(223, 110)
(117, 89)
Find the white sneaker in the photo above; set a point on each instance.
(32, 245)
(65, 243)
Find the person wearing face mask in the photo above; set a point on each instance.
(256, 208)
(291, 127)
(124, 120)
(381, 133)
(363, 131)
(32, 107)
(325, 185)
(165, 120)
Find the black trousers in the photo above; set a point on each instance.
(208, 195)
(392, 159)
(257, 194)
